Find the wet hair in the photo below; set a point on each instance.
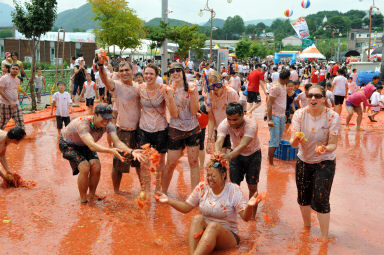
(138, 74)
(216, 75)
(16, 133)
(15, 65)
(323, 93)
(124, 63)
(218, 161)
(375, 77)
(284, 74)
(308, 86)
(154, 67)
(8, 67)
(234, 108)
(379, 87)
(178, 65)
(61, 83)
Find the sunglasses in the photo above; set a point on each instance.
(215, 85)
(178, 70)
(317, 96)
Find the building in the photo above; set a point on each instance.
(358, 39)
(222, 43)
(291, 41)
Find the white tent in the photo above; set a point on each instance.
(311, 52)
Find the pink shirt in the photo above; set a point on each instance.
(185, 121)
(361, 96)
(222, 208)
(317, 131)
(81, 125)
(219, 104)
(153, 105)
(127, 104)
(10, 86)
(352, 88)
(249, 129)
(279, 92)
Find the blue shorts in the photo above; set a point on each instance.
(276, 132)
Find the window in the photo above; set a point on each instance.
(352, 36)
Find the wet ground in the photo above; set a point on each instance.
(48, 219)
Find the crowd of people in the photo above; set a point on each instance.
(201, 108)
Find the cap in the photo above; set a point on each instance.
(176, 65)
(104, 110)
(7, 54)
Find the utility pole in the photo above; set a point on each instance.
(338, 50)
(164, 56)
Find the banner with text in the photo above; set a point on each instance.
(301, 28)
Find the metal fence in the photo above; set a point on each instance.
(49, 76)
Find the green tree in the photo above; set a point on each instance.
(243, 48)
(157, 35)
(34, 20)
(79, 29)
(234, 27)
(6, 33)
(188, 38)
(117, 24)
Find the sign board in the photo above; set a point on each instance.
(306, 43)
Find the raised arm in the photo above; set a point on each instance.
(109, 83)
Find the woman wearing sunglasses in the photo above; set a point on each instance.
(219, 203)
(315, 166)
(219, 98)
(184, 129)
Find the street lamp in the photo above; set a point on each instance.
(370, 26)
(334, 31)
(213, 13)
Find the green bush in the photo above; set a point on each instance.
(43, 66)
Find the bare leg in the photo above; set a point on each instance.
(271, 151)
(94, 176)
(359, 117)
(201, 159)
(338, 108)
(306, 214)
(160, 171)
(252, 190)
(198, 225)
(144, 179)
(116, 180)
(83, 180)
(349, 116)
(215, 236)
(193, 160)
(172, 158)
(324, 224)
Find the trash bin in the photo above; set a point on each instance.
(285, 151)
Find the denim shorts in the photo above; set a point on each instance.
(276, 132)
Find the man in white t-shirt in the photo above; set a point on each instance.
(100, 85)
(376, 102)
(190, 65)
(235, 82)
(245, 158)
(275, 75)
(340, 90)
(294, 75)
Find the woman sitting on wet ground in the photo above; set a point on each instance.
(219, 203)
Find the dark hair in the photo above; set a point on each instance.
(329, 85)
(296, 82)
(257, 65)
(124, 63)
(73, 58)
(61, 83)
(284, 74)
(16, 133)
(220, 167)
(8, 68)
(354, 69)
(269, 79)
(15, 65)
(379, 87)
(186, 86)
(308, 86)
(340, 71)
(375, 77)
(14, 53)
(234, 108)
(154, 67)
(274, 68)
(323, 93)
(349, 77)
(138, 74)
(198, 75)
(291, 82)
(322, 83)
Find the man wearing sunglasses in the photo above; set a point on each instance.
(277, 104)
(126, 93)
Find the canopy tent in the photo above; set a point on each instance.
(312, 52)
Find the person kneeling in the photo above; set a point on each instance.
(219, 203)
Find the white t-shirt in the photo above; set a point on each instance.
(340, 82)
(90, 89)
(354, 77)
(375, 100)
(100, 83)
(222, 208)
(62, 101)
(241, 68)
(159, 80)
(330, 95)
(235, 83)
(275, 76)
(294, 76)
(190, 64)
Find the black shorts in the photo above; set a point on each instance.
(76, 154)
(339, 100)
(227, 141)
(314, 182)
(60, 120)
(102, 91)
(188, 140)
(89, 101)
(202, 139)
(130, 139)
(253, 97)
(245, 165)
(157, 140)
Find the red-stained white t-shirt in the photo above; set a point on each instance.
(222, 208)
(279, 92)
(90, 89)
(248, 128)
(317, 131)
(127, 104)
(219, 104)
(153, 104)
(10, 86)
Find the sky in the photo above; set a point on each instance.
(188, 10)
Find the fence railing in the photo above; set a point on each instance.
(49, 76)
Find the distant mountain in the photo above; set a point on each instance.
(219, 23)
(80, 18)
(172, 22)
(5, 15)
(267, 22)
